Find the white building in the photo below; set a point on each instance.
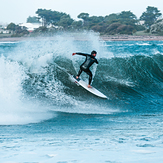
(4, 31)
(31, 26)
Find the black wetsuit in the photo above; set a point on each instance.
(90, 59)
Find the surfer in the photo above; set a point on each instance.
(90, 59)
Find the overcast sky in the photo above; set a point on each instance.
(17, 11)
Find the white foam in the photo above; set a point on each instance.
(8, 42)
(143, 44)
(14, 108)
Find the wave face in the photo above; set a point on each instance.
(34, 82)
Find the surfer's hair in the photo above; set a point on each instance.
(93, 52)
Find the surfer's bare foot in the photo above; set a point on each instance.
(89, 86)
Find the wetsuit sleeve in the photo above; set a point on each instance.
(96, 61)
(82, 54)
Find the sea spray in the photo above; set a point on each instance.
(14, 105)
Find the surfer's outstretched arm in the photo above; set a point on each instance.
(80, 54)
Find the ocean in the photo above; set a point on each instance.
(45, 118)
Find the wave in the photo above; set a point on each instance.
(123, 80)
(34, 87)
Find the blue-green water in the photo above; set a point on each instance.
(44, 117)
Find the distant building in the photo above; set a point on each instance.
(31, 26)
(3, 30)
(141, 22)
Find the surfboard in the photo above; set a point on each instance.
(82, 83)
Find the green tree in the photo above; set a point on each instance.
(41, 29)
(125, 29)
(83, 16)
(100, 27)
(18, 30)
(122, 23)
(65, 21)
(111, 17)
(89, 22)
(127, 17)
(11, 26)
(94, 20)
(150, 16)
(112, 29)
(77, 24)
(49, 17)
(33, 19)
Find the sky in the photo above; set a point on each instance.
(17, 11)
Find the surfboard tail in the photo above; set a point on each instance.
(73, 79)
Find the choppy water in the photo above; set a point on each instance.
(44, 117)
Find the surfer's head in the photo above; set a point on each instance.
(93, 53)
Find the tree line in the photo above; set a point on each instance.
(117, 23)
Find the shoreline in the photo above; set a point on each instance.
(17, 39)
(102, 38)
(13, 39)
(131, 38)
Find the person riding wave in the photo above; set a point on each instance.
(90, 59)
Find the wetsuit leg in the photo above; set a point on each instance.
(80, 71)
(86, 71)
(90, 75)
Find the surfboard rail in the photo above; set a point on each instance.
(85, 86)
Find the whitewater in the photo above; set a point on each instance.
(45, 118)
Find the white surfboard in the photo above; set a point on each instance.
(85, 85)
